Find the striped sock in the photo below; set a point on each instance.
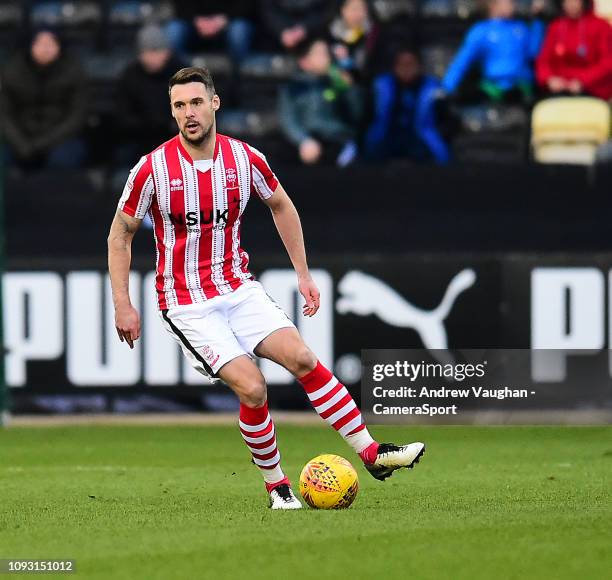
(334, 403)
(257, 430)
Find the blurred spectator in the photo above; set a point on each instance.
(577, 54)
(404, 123)
(353, 36)
(43, 105)
(143, 118)
(504, 47)
(214, 24)
(320, 108)
(290, 22)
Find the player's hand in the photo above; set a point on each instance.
(127, 323)
(308, 289)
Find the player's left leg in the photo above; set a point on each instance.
(332, 401)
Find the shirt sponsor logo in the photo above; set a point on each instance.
(193, 218)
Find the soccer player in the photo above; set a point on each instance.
(195, 188)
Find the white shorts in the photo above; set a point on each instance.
(225, 327)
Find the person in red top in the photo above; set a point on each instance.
(577, 54)
(195, 188)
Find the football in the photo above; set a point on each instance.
(329, 482)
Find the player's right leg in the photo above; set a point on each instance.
(257, 428)
(212, 349)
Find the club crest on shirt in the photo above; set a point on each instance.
(230, 177)
(232, 189)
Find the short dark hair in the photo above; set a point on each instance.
(406, 49)
(193, 74)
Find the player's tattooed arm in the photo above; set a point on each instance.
(287, 221)
(122, 231)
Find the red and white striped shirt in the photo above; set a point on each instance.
(196, 216)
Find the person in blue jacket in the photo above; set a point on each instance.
(504, 48)
(404, 123)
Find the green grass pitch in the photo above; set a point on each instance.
(185, 502)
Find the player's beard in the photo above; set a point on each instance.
(197, 141)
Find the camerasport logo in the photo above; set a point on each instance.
(176, 184)
(209, 355)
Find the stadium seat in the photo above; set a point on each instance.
(217, 63)
(11, 21)
(127, 16)
(436, 59)
(437, 9)
(103, 69)
(106, 66)
(388, 10)
(78, 22)
(466, 8)
(11, 14)
(273, 66)
(448, 8)
(261, 76)
(66, 14)
(248, 124)
(135, 13)
(569, 129)
(492, 134)
(478, 118)
(603, 8)
(446, 21)
(490, 148)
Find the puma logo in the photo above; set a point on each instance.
(363, 295)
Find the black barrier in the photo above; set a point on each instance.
(392, 208)
(60, 337)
